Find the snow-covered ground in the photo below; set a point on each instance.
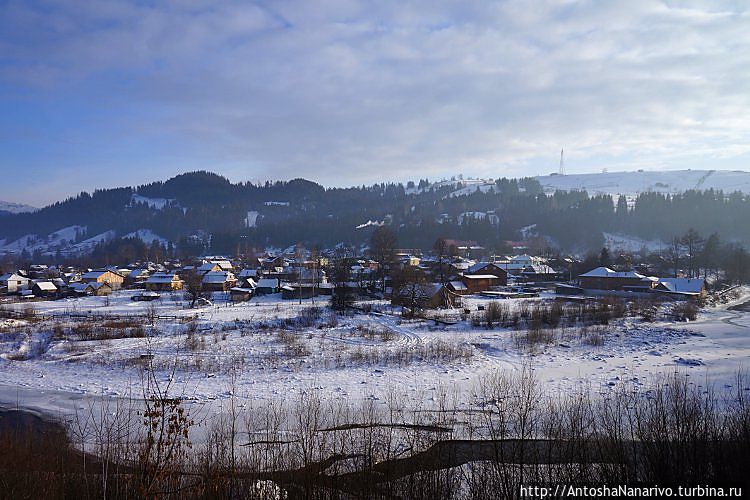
(276, 349)
(632, 244)
(156, 203)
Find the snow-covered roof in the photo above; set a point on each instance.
(218, 277)
(683, 285)
(46, 286)
(161, 278)
(458, 285)
(13, 276)
(248, 273)
(480, 276)
(80, 287)
(605, 272)
(249, 282)
(92, 275)
(138, 273)
(268, 283)
(480, 265)
(538, 269)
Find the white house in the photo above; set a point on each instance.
(14, 283)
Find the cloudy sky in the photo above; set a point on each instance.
(107, 93)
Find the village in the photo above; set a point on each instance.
(405, 276)
(307, 315)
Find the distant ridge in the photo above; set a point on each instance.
(632, 183)
(204, 212)
(7, 207)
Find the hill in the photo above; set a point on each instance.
(634, 183)
(204, 212)
(7, 208)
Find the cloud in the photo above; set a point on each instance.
(347, 91)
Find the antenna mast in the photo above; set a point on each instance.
(562, 164)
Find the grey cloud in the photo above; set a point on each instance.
(363, 91)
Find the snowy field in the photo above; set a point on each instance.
(269, 349)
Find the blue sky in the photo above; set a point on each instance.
(110, 93)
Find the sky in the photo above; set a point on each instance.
(98, 94)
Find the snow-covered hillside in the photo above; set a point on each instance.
(16, 208)
(632, 183)
(66, 241)
(61, 239)
(147, 236)
(157, 203)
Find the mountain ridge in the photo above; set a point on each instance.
(203, 210)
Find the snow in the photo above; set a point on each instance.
(147, 236)
(57, 240)
(471, 186)
(16, 208)
(157, 203)
(339, 358)
(87, 245)
(632, 183)
(370, 223)
(252, 218)
(628, 243)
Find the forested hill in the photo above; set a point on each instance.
(205, 209)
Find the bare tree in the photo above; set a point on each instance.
(674, 254)
(441, 249)
(410, 289)
(340, 271)
(193, 286)
(383, 245)
(693, 243)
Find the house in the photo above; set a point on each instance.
(113, 279)
(476, 283)
(247, 283)
(267, 286)
(517, 263)
(426, 296)
(218, 281)
(249, 273)
(489, 268)
(460, 266)
(687, 287)
(136, 278)
(101, 288)
(539, 272)
(14, 283)
(164, 282)
(224, 265)
(604, 278)
(80, 288)
(457, 287)
(208, 267)
(240, 294)
(44, 289)
(298, 291)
